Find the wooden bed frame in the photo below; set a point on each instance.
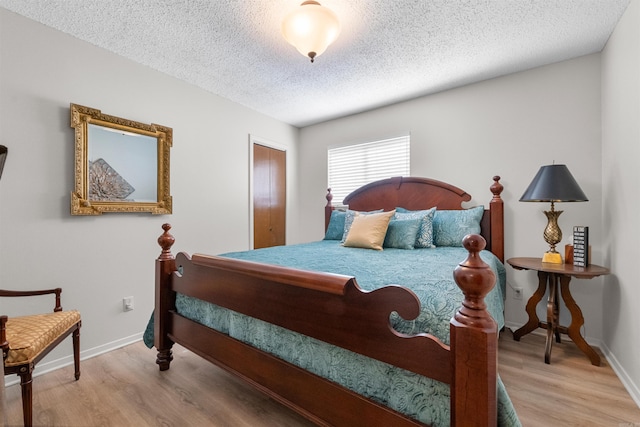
(332, 308)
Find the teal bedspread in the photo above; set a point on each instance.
(428, 272)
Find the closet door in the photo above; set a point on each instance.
(269, 196)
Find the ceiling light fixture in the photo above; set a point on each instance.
(311, 28)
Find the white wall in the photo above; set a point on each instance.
(100, 260)
(509, 126)
(620, 186)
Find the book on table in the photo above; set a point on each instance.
(581, 245)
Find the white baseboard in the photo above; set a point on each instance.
(627, 382)
(43, 368)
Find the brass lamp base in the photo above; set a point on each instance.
(553, 236)
(552, 258)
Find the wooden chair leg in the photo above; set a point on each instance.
(26, 381)
(76, 352)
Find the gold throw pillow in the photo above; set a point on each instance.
(368, 231)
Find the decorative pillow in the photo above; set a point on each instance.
(450, 227)
(368, 231)
(425, 234)
(335, 230)
(348, 220)
(402, 234)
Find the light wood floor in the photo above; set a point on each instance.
(125, 388)
(568, 392)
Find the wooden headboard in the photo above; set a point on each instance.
(415, 193)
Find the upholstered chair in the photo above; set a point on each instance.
(25, 340)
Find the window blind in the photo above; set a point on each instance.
(353, 166)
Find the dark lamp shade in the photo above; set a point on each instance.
(3, 156)
(554, 183)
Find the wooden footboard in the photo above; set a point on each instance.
(332, 308)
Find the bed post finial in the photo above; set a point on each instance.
(328, 209)
(166, 240)
(496, 188)
(474, 341)
(476, 279)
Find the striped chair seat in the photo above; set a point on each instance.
(28, 336)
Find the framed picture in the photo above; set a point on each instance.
(120, 165)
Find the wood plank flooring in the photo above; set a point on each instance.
(568, 392)
(125, 388)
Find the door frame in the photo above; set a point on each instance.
(253, 140)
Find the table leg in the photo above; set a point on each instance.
(556, 309)
(552, 316)
(577, 320)
(533, 323)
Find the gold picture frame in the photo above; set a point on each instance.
(120, 165)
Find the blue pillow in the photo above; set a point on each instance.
(450, 227)
(424, 238)
(348, 220)
(402, 234)
(336, 225)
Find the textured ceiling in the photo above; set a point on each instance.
(388, 50)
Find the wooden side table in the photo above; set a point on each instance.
(552, 275)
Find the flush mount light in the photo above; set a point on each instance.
(311, 28)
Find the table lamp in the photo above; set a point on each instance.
(553, 183)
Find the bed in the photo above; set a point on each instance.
(351, 349)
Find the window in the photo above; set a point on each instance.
(353, 166)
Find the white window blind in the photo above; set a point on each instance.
(353, 166)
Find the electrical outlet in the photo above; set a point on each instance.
(127, 303)
(517, 293)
